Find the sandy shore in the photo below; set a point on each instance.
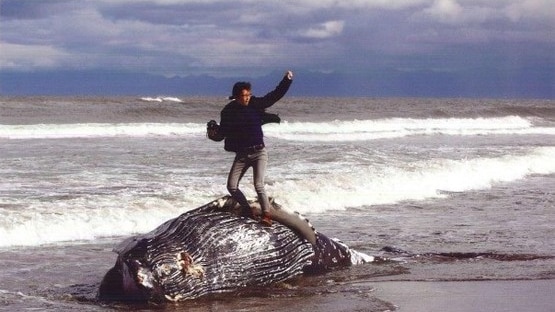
(476, 296)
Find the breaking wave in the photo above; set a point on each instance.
(355, 130)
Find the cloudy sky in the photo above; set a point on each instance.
(254, 37)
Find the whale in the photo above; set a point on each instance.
(213, 249)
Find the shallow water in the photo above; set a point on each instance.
(446, 246)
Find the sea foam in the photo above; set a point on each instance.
(360, 130)
(425, 179)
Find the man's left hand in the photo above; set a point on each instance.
(289, 75)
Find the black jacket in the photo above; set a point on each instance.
(242, 125)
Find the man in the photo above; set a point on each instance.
(241, 124)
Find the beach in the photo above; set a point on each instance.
(454, 197)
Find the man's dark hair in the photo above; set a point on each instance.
(240, 86)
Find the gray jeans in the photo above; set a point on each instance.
(258, 161)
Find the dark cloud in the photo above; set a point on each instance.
(196, 13)
(31, 9)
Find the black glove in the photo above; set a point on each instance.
(213, 131)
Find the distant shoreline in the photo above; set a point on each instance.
(390, 83)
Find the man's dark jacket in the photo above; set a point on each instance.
(242, 125)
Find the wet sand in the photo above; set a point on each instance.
(409, 296)
(465, 296)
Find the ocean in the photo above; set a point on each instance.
(440, 190)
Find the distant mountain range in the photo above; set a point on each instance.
(379, 83)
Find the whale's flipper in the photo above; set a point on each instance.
(291, 219)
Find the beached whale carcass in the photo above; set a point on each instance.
(212, 249)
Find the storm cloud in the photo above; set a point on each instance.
(252, 38)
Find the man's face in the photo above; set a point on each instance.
(244, 97)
